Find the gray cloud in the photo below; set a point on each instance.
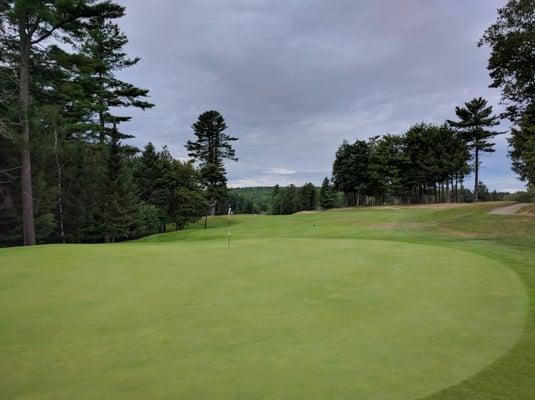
(295, 78)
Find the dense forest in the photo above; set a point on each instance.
(68, 174)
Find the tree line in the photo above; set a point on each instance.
(427, 163)
(292, 199)
(66, 174)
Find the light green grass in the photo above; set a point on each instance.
(367, 304)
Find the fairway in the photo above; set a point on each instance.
(271, 318)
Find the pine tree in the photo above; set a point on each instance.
(117, 201)
(154, 181)
(309, 196)
(187, 202)
(26, 25)
(83, 171)
(474, 119)
(211, 148)
(276, 201)
(100, 57)
(326, 196)
(351, 173)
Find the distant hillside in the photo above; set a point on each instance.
(250, 200)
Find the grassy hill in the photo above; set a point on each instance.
(375, 303)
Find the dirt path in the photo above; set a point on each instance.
(509, 210)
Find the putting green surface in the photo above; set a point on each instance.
(268, 319)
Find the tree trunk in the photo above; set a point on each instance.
(60, 198)
(26, 167)
(476, 192)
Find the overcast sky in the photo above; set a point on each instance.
(295, 78)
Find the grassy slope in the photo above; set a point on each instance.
(528, 210)
(507, 239)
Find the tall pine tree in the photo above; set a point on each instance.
(326, 196)
(101, 56)
(474, 120)
(211, 148)
(117, 202)
(27, 24)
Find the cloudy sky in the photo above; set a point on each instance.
(295, 78)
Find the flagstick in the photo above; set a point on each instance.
(228, 234)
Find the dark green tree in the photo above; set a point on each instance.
(326, 195)
(351, 173)
(522, 143)
(210, 149)
(83, 171)
(309, 196)
(474, 119)
(291, 200)
(484, 194)
(187, 202)
(154, 180)
(99, 59)
(511, 67)
(276, 201)
(116, 202)
(512, 59)
(27, 25)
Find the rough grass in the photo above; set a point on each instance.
(429, 303)
(528, 210)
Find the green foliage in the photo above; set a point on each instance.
(210, 149)
(522, 142)
(309, 196)
(145, 221)
(187, 203)
(474, 119)
(99, 57)
(424, 164)
(171, 186)
(527, 196)
(153, 179)
(326, 196)
(250, 200)
(512, 42)
(212, 145)
(351, 170)
(117, 204)
(291, 199)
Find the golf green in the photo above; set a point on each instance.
(267, 319)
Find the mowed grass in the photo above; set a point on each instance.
(383, 303)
